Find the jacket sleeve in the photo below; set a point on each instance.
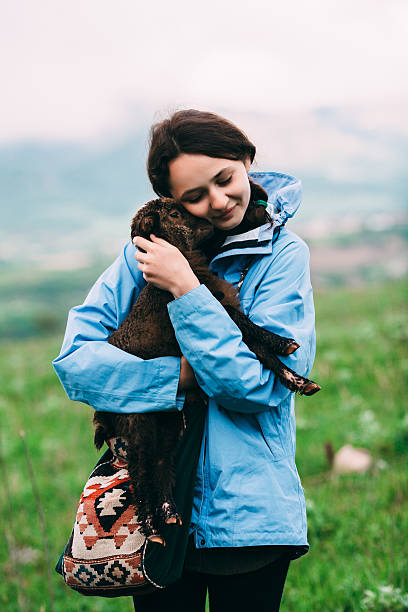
(97, 373)
(224, 366)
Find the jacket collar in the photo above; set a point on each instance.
(284, 198)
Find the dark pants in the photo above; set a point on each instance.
(258, 591)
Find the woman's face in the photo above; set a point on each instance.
(212, 188)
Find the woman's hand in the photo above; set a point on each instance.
(187, 379)
(164, 266)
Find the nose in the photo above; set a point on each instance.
(218, 199)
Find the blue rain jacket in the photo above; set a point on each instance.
(247, 490)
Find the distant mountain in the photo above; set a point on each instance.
(43, 183)
(69, 200)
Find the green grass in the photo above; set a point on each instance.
(35, 302)
(358, 524)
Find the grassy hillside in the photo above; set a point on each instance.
(35, 302)
(358, 524)
(35, 294)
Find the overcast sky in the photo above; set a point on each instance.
(80, 69)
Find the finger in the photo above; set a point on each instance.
(142, 268)
(139, 241)
(140, 256)
(161, 241)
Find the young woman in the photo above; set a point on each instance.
(248, 518)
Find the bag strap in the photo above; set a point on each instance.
(244, 271)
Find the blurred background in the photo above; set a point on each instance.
(319, 87)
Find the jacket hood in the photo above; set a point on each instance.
(284, 194)
(284, 198)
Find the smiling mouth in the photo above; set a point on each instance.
(227, 212)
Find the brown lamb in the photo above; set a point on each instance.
(148, 333)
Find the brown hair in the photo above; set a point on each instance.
(200, 132)
(193, 131)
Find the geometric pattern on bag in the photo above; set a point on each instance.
(104, 555)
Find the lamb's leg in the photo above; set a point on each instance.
(142, 467)
(171, 426)
(256, 338)
(259, 336)
(227, 295)
(289, 378)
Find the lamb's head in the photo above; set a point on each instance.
(167, 219)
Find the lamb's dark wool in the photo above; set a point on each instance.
(148, 333)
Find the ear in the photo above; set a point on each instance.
(148, 224)
(255, 215)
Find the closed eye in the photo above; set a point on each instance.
(222, 183)
(194, 201)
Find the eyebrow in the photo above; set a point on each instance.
(190, 191)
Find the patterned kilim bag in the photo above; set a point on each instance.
(106, 554)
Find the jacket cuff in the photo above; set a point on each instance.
(190, 302)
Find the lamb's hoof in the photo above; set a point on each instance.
(291, 348)
(151, 532)
(170, 514)
(174, 520)
(310, 388)
(157, 538)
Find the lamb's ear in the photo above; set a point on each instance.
(148, 224)
(99, 437)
